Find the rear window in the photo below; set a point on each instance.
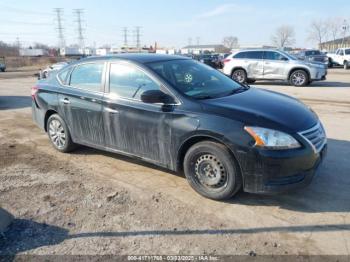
(240, 55)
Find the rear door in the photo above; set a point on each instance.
(80, 102)
(254, 64)
(275, 65)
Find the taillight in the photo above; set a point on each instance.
(34, 91)
(226, 60)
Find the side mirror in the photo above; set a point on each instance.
(156, 96)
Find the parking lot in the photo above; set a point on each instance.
(92, 202)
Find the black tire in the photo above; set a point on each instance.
(59, 135)
(346, 65)
(239, 75)
(214, 163)
(2, 69)
(299, 78)
(330, 63)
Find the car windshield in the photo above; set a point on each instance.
(195, 79)
(347, 51)
(291, 57)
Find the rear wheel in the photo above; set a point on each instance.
(299, 78)
(59, 134)
(212, 171)
(239, 75)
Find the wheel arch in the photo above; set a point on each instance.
(48, 113)
(238, 67)
(189, 142)
(299, 68)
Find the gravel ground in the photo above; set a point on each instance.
(90, 202)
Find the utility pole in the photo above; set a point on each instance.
(190, 41)
(345, 28)
(125, 36)
(61, 41)
(138, 37)
(198, 40)
(79, 13)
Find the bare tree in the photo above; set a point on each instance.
(318, 31)
(284, 36)
(334, 26)
(230, 42)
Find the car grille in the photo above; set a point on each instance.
(316, 136)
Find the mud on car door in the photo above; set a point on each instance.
(81, 104)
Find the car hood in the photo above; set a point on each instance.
(264, 108)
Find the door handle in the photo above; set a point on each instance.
(65, 101)
(112, 111)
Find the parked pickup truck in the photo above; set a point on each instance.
(2, 64)
(340, 57)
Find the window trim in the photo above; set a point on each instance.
(162, 86)
(103, 78)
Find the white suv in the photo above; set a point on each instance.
(247, 66)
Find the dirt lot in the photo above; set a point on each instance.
(91, 202)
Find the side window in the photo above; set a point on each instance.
(241, 55)
(87, 76)
(255, 55)
(270, 55)
(129, 82)
(63, 76)
(341, 52)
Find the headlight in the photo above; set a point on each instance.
(272, 139)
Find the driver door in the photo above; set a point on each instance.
(274, 65)
(132, 126)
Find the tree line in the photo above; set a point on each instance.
(319, 31)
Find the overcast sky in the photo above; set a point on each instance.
(168, 22)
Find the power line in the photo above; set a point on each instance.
(79, 13)
(23, 11)
(61, 40)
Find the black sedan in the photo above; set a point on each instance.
(185, 116)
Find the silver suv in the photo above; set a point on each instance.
(247, 66)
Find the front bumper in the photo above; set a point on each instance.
(269, 172)
(319, 74)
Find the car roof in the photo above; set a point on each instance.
(142, 58)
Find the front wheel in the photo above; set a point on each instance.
(239, 75)
(59, 135)
(212, 171)
(346, 65)
(299, 78)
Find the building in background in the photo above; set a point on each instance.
(33, 52)
(201, 49)
(333, 45)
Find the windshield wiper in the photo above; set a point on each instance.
(204, 97)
